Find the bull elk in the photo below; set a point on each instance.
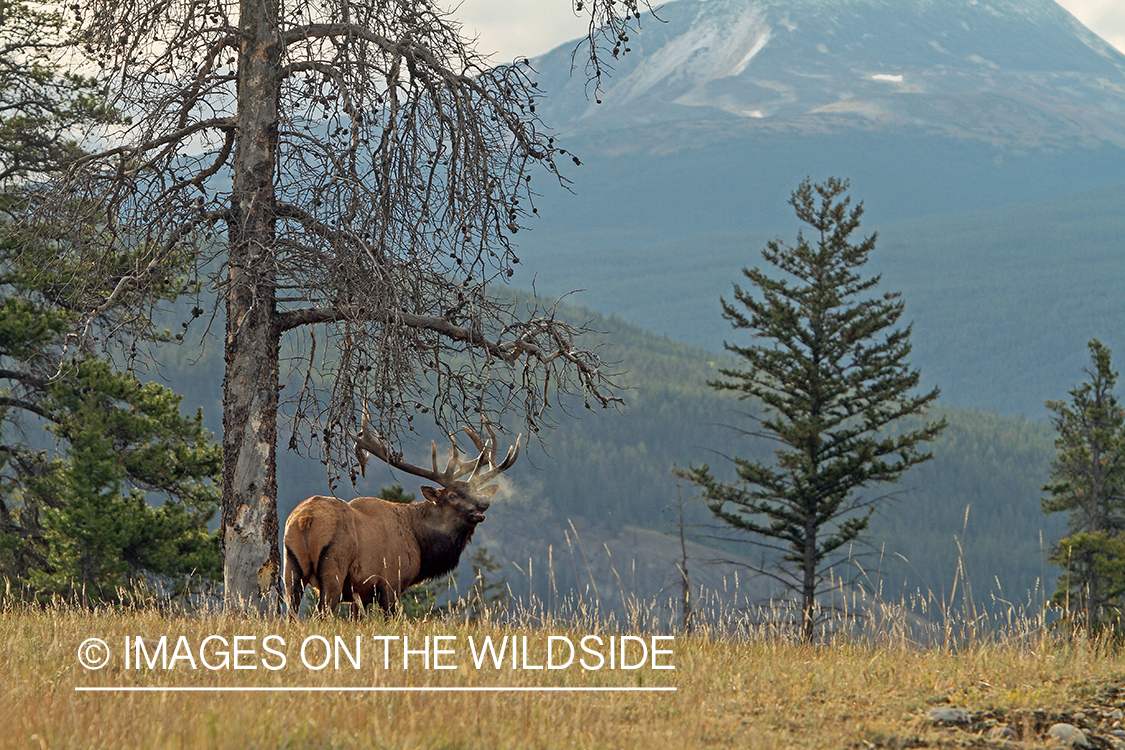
(372, 549)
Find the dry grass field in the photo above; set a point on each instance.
(749, 691)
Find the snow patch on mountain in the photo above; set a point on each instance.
(715, 46)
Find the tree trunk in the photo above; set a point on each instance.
(251, 561)
(808, 593)
(689, 623)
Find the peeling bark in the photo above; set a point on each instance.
(251, 561)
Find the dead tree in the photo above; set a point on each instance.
(351, 169)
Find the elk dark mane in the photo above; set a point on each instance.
(443, 553)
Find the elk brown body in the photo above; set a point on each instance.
(371, 549)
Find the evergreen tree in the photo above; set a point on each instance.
(40, 105)
(488, 594)
(396, 494)
(832, 376)
(73, 512)
(1088, 481)
(76, 522)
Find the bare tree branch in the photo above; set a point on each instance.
(25, 378)
(28, 406)
(360, 152)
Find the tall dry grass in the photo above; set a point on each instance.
(740, 680)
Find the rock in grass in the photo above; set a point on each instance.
(1067, 735)
(945, 715)
(1002, 733)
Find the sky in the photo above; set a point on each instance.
(515, 28)
(1106, 18)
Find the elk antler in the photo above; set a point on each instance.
(486, 455)
(368, 441)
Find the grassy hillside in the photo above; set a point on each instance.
(975, 508)
(611, 470)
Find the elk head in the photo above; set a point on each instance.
(463, 487)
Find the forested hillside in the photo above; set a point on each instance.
(609, 474)
(1003, 300)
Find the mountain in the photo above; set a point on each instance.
(1007, 72)
(1006, 266)
(986, 140)
(1002, 301)
(929, 107)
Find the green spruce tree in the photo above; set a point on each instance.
(829, 369)
(488, 595)
(124, 440)
(41, 106)
(83, 447)
(1088, 481)
(74, 513)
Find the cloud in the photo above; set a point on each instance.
(508, 29)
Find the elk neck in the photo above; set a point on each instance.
(442, 537)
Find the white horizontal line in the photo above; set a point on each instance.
(376, 689)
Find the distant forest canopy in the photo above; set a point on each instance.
(1003, 300)
(612, 471)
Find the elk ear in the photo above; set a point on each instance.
(486, 493)
(433, 494)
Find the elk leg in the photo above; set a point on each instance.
(331, 590)
(296, 591)
(388, 600)
(354, 597)
(294, 582)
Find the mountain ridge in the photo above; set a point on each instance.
(582, 498)
(964, 68)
